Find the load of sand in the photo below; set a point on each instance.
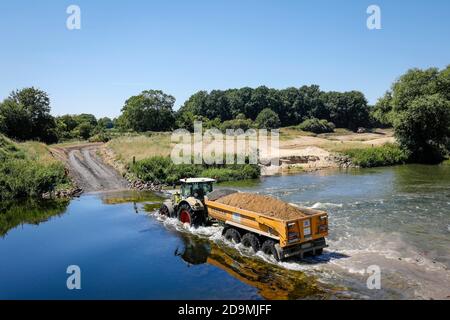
(266, 205)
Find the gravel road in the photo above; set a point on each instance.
(90, 172)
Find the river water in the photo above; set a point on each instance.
(396, 219)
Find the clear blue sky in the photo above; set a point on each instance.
(184, 46)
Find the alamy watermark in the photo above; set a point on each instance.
(74, 280)
(374, 280)
(73, 21)
(374, 20)
(235, 146)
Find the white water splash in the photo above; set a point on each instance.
(326, 205)
(349, 254)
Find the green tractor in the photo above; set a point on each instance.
(188, 204)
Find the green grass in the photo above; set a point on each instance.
(232, 173)
(163, 170)
(386, 155)
(28, 170)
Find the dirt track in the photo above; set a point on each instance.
(88, 169)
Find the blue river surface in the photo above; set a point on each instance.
(396, 219)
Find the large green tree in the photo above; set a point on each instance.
(25, 115)
(418, 107)
(424, 128)
(149, 111)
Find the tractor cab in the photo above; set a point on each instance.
(188, 205)
(196, 187)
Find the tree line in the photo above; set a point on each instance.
(291, 105)
(25, 115)
(417, 106)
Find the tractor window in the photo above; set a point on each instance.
(186, 190)
(197, 190)
(207, 188)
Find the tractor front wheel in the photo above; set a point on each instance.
(165, 211)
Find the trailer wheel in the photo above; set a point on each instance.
(268, 247)
(189, 216)
(232, 235)
(249, 240)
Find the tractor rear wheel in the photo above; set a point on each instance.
(232, 235)
(188, 216)
(249, 240)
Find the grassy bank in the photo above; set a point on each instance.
(153, 164)
(141, 146)
(163, 170)
(145, 147)
(386, 155)
(28, 170)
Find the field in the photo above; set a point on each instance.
(293, 143)
(140, 147)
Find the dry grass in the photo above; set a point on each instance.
(339, 141)
(159, 144)
(37, 151)
(70, 143)
(338, 146)
(289, 133)
(141, 147)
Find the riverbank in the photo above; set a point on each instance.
(30, 170)
(299, 151)
(141, 161)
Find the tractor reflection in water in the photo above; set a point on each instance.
(272, 281)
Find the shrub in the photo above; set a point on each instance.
(163, 170)
(84, 130)
(389, 154)
(151, 169)
(233, 172)
(24, 178)
(100, 137)
(236, 124)
(316, 126)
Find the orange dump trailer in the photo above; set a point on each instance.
(282, 238)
